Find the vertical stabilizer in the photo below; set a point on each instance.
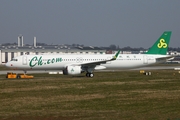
(161, 45)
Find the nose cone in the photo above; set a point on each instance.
(8, 64)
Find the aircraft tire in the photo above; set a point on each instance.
(91, 75)
(87, 74)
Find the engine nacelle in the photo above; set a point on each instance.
(72, 70)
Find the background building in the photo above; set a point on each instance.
(9, 51)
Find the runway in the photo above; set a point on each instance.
(157, 68)
(20, 71)
(143, 68)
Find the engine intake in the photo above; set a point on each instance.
(72, 70)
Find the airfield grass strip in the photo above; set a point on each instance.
(111, 95)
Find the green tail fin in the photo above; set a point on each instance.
(161, 45)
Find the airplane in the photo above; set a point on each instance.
(77, 64)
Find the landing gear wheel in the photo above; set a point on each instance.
(91, 75)
(87, 74)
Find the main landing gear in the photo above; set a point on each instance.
(89, 75)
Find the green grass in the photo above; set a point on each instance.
(125, 95)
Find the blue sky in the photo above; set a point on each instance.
(134, 23)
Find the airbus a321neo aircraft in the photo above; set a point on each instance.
(76, 64)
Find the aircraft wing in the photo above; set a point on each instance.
(89, 64)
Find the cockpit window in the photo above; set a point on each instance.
(14, 60)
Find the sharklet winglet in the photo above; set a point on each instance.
(116, 55)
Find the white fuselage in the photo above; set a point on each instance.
(59, 62)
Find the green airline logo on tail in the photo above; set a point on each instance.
(161, 45)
